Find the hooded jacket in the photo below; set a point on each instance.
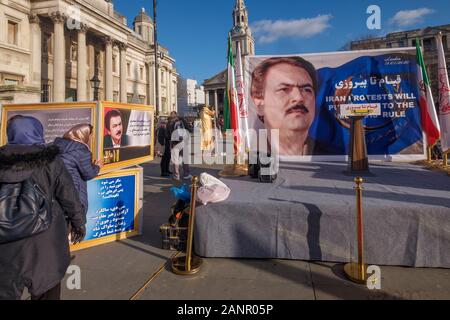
(40, 261)
(78, 161)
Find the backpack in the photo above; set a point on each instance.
(176, 136)
(25, 211)
(179, 125)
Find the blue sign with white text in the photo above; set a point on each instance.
(111, 206)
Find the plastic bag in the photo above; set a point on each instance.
(213, 194)
(182, 193)
(208, 180)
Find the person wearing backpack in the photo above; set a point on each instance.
(77, 157)
(177, 129)
(35, 191)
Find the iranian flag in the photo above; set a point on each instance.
(430, 123)
(231, 100)
(444, 97)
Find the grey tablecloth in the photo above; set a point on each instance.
(310, 214)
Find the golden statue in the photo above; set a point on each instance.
(207, 116)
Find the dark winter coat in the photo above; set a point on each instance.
(78, 161)
(38, 262)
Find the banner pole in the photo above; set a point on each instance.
(356, 272)
(189, 264)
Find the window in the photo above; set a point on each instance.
(71, 95)
(429, 44)
(116, 96)
(162, 76)
(129, 98)
(47, 44)
(13, 30)
(142, 99)
(128, 69)
(74, 51)
(141, 71)
(114, 63)
(45, 94)
(140, 30)
(164, 105)
(11, 82)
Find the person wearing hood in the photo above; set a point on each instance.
(38, 262)
(77, 157)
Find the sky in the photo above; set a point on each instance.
(195, 31)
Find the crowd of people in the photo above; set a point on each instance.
(47, 185)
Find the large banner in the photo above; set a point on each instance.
(115, 204)
(302, 96)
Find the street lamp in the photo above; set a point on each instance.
(95, 84)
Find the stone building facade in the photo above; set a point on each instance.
(50, 51)
(426, 36)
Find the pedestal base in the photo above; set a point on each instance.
(179, 266)
(354, 273)
(235, 170)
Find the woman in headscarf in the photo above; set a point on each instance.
(40, 261)
(77, 157)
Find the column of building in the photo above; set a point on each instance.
(168, 90)
(216, 101)
(207, 98)
(82, 76)
(59, 64)
(160, 90)
(36, 50)
(109, 79)
(123, 72)
(151, 84)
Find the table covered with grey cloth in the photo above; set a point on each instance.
(309, 213)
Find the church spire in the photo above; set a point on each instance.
(241, 31)
(240, 4)
(240, 14)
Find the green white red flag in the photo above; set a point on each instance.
(231, 100)
(429, 119)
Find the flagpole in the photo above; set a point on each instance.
(444, 99)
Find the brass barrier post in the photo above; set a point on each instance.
(189, 264)
(356, 272)
(445, 159)
(429, 149)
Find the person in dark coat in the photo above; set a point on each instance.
(40, 261)
(165, 143)
(165, 140)
(77, 157)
